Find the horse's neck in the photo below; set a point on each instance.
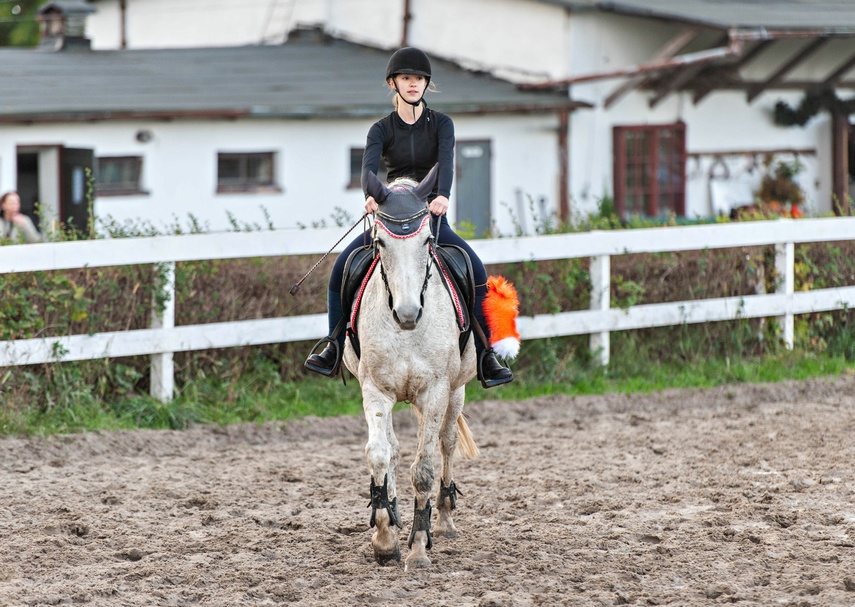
(438, 307)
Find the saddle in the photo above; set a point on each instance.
(455, 270)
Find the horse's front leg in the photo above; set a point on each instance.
(381, 452)
(432, 405)
(448, 492)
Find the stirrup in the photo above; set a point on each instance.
(324, 370)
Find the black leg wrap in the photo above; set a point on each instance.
(421, 522)
(451, 492)
(380, 500)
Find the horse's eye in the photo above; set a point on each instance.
(379, 242)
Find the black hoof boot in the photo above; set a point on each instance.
(327, 361)
(491, 372)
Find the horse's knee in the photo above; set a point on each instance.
(378, 454)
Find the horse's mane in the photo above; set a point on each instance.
(405, 182)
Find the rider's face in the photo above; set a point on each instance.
(410, 86)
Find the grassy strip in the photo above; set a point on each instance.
(261, 397)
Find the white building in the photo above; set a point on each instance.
(181, 100)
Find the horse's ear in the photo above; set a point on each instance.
(376, 188)
(424, 188)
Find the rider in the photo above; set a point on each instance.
(411, 140)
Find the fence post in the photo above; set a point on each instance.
(162, 368)
(601, 282)
(785, 260)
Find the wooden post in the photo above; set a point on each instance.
(601, 300)
(162, 373)
(840, 163)
(785, 257)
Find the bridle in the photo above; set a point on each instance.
(379, 224)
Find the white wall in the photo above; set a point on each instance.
(200, 23)
(313, 167)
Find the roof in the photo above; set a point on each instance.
(309, 76)
(832, 16)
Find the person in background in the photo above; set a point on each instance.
(411, 140)
(14, 225)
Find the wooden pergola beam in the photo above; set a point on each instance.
(836, 76)
(671, 48)
(743, 61)
(775, 78)
(683, 75)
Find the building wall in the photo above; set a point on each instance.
(313, 168)
(528, 40)
(200, 23)
(723, 121)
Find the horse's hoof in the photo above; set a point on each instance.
(448, 533)
(385, 558)
(421, 562)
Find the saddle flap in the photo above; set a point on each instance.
(457, 276)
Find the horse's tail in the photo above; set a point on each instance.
(466, 442)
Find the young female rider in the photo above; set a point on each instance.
(411, 140)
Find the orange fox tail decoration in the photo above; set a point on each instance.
(501, 307)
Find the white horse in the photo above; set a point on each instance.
(409, 342)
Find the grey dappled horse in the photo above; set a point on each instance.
(409, 351)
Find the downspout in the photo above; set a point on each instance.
(123, 24)
(563, 166)
(405, 24)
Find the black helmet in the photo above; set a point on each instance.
(408, 60)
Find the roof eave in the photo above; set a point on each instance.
(301, 113)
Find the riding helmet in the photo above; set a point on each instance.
(408, 60)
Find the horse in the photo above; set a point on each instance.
(409, 350)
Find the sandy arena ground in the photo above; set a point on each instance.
(742, 494)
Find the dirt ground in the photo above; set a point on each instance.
(739, 494)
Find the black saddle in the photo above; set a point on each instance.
(457, 277)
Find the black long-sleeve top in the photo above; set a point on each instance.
(412, 150)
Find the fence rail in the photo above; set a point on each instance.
(163, 338)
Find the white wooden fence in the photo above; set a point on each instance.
(163, 338)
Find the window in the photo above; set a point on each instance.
(649, 170)
(246, 172)
(118, 176)
(356, 168)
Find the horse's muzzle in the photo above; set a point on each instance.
(407, 319)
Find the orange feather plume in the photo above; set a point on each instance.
(501, 307)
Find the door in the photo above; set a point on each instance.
(473, 187)
(77, 189)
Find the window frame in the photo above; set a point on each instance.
(650, 188)
(245, 184)
(355, 181)
(122, 189)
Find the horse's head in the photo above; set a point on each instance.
(402, 235)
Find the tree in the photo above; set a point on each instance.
(18, 25)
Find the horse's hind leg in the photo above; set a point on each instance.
(448, 492)
(381, 452)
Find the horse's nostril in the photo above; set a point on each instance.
(407, 319)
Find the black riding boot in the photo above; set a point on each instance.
(491, 372)
(328, 360)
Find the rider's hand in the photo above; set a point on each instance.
(371, 205)
(439, 205)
